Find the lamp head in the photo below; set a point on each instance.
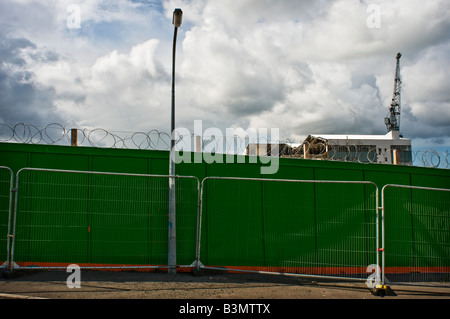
(177, 17)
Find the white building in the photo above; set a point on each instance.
(391, 148)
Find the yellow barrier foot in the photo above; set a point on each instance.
(383, 290)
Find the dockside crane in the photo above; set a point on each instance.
(392, 121)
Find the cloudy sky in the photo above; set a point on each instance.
(303, 66)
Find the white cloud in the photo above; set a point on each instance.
(119, 91)
(301, 66)
(325, 71)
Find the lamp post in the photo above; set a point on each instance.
(172, 249)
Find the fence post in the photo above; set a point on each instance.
(306, 152)
(396, 157)
(198, 143)
(74, 137)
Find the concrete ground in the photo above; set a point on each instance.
(206, 285)
(221, 289)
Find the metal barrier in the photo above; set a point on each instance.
(326, 229)
(6, 189)
(100, 219)
(415, 235)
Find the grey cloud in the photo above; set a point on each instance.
(20, 99)
(10, 50)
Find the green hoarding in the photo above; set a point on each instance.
(109, 219)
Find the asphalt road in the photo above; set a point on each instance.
(183, 290)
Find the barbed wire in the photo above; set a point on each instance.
(57, 134)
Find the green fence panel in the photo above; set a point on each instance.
(316, 227)
(51, 220)
(289, 224)
(118, 219)
(289, 218)
(417, 233)
(6, 180)
(232, 221)
(100, 219)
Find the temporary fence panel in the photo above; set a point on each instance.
(311, 228)
(6, 186)
(97, 219)
(416, 236)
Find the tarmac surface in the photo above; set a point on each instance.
(182, 290)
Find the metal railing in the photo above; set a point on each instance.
(326, 229)
(319, 228)
(415, 235)
(99, 219)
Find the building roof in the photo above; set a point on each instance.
(389, 136)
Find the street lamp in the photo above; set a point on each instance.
(172, 258)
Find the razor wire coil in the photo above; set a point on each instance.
(57, 134)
